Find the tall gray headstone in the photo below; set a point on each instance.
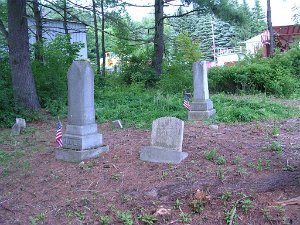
(201, 105)
(166, 142)
(81, 140)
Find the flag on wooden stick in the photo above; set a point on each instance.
(58, 136)
(186, 103)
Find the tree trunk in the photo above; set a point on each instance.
(65, 22)
(103, 41)
(38, 31)
(96, 37)
(22, 78)
(270, 27)
(158, 37)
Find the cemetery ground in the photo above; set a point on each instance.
(234, 174)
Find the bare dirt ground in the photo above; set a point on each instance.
(255, 166)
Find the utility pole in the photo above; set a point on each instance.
(270, 28)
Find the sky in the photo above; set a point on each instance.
(281, 10)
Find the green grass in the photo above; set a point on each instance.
(138, 107)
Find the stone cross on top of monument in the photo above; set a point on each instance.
(201, 106)
(81, 139)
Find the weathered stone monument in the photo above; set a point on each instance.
(201, 105)
(18, 126)
(81, 140)
(166, 142)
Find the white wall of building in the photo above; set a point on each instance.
(51, 28)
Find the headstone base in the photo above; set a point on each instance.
(201, 110)
(200, 115)
(69, 155)
(82, 142)
(162, 155)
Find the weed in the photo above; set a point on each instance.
(246, 204)
(198, 205)
(221, 174)
(221, 160)
(104, 219)
(147, 219)
(178, 203)
(275, 131)
(210, 154)
(262, 164)
(230, 215)
(274, 146)
(226, 196)
(164, 174)
(78, 214)
(34, 220)
(125, 217)
(126, 198)
(185, 217)
(237, 159)
(116, 177)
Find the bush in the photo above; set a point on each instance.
(51, 75)
(176, 79)
(138, 69)
(277, 76)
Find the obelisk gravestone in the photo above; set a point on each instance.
(201, 106)
(81, 140)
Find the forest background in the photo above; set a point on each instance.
(156, 54)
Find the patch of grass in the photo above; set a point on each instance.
(104, 219)
(147, 219)
(4, 157)
(210, 154)
(125, 217)
(221, 160)
(231, 109)
(198, 205)
(274, 146)
(237, 159)
(185, 217)
(34, 220)
(136, 106)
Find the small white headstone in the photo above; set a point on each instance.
(117, 124)
(18, 126)
(166, 141)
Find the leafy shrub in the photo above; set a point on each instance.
(138, 69)
(51, 75)
(176, 79)
(277, 76)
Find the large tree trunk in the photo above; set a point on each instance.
(22, 78)
(158, 37)
(38, 30)
(96, 37)
(103, 40)
(270, 27)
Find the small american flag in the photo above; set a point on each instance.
(186, 103)
(58, 136)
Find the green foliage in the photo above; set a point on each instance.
(233, 109)
(136, 106)
(186, 52)
(274, 76)
(36, 219)
(125, 217)
(138, 69)
(210, 154)
(147, 219)
(175, 79)
(221, 160)
(104, 219)
(51, 75)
